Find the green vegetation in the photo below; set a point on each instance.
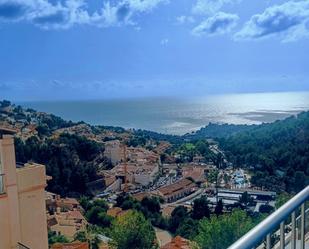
(184, 223)
(212, 176)
(282, 198)
(187, 151)
(90, 235)
(200, 209)
(95, 212)
(132, 231)
(149, 207)
(219, 208)
(219, 232)
(218, 131)
(246, 200)
(178, 216)
(266, 209)
(68, 159)
(54, 238)
(277, 152)
(151, 135)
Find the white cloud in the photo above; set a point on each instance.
(220, 23)
(46, 15)
(145, 5)
(185, 19)
(209, 7)
(288, 21)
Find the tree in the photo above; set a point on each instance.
(202, 147)
(90, 236)
(301, 180)
(85, 203)
(54, 238)
(178, 215)
(131, 203)
(97, 215)
(101, 203)
(266, 209)
(132, 231)
(277, 152)
(282, 199)
(219, 232)
(42, 130)
(150, 207)
(151, 204)
(200, 209)
(213, 176)
(188, 228)
(245, 199)
(68, 159)
(219, 208)
(219, 160)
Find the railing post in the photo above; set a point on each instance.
(282, 236)
(302, 226)
(268, 241)
(293, 235)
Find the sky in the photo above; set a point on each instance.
(103, 49)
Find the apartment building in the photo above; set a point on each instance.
(114, 151)
(22, 199)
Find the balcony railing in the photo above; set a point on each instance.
(2, 190)
(285, 217)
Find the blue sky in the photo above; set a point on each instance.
(95, 49)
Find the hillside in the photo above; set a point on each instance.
(213, 130)
(277, 153)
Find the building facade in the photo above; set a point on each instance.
(22, 200)
(114, 151)
(177, 190)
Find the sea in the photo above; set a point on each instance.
(172, 115)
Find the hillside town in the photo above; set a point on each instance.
(151, 171)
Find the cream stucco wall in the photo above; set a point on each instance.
(22, 206)
(31, 197)
(4, 223)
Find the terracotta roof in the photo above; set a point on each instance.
(70, 201)
(75, 214)
(169, 189)
(178, 243)
(140, 196)
(74, 245)
(114, 212)
(196, 173)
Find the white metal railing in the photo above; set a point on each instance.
(266, 228)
